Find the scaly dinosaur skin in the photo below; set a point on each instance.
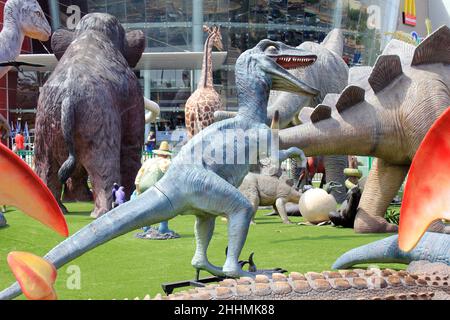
(433, 247)
(386, 116)
(357, 284)
(193, 183)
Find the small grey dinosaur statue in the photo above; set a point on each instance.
(20, 18)
(384, 112)
(195, 183)
(270, 188)
(433, 247)
(329, 75)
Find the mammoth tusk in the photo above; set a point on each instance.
(153, 109)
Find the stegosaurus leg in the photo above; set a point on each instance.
(382, 185)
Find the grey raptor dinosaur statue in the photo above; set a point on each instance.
(385, 112)
(195, 183)
(329, 75)
(433, 247)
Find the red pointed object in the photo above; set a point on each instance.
(427, 191)
(36, 276)
(22, 188)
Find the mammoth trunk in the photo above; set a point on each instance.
(149, 208)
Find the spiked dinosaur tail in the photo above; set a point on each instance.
(433, 247)
(68, 130)
(149, 208)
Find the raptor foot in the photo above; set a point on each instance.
(365, 223)
(207, 266)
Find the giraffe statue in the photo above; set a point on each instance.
(204, 101)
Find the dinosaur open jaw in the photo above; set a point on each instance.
(290, 62)
(283, 80)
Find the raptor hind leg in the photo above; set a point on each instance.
(204, 228)
(238, 225)
(229, 201)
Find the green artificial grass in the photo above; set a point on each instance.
(127, 267)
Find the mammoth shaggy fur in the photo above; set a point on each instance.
(90, 115)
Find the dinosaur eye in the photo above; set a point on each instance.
(271, 49)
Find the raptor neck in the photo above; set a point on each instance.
(206, 80)
(252, 96)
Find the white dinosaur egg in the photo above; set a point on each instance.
(315, 205)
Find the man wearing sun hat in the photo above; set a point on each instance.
(150, 172)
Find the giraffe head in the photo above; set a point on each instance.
(215, 36)
(30, 18)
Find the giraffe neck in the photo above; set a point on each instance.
(206, 80)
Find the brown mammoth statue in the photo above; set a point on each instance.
(90, 115)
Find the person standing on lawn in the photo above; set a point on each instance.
(120, 196)
(151, 142)
(151, 171)
(114, 189)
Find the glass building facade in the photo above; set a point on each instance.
(177, 26)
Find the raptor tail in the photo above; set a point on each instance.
(149, 208)
(432, 247)
(385, 250)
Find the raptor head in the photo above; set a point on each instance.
(31, 19)
(270, 61)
